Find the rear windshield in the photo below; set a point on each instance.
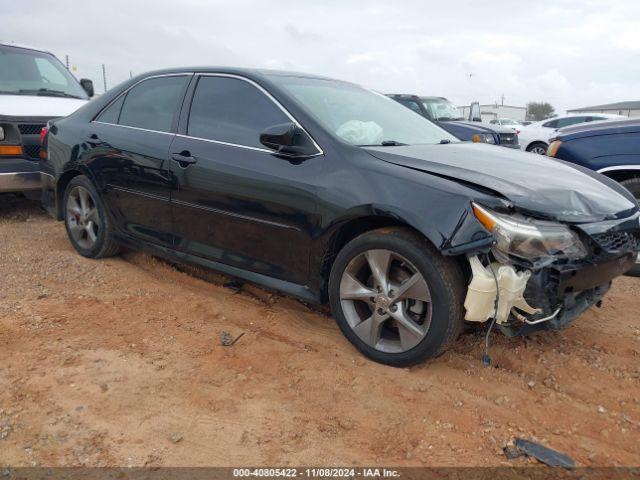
(29, 72)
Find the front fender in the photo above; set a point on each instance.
(453, 231)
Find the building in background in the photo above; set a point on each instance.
(629, 109)
(495, 110)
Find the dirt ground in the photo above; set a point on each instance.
(119, 362)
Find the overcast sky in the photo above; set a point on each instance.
(570, 53)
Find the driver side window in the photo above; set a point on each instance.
(231, 110)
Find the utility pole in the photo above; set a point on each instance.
(503, 99)
(104, 77)
(66, 57)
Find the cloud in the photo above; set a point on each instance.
(568, 52)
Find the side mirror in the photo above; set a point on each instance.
(87, 85)
(474, 112)
(288, 141)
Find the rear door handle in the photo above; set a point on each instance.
(184, 158)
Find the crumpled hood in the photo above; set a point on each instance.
(533, 183)
(38, 106)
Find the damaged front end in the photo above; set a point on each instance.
(541, 274)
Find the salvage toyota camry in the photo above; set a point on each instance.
(333, 193)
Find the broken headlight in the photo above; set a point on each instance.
(533, 240)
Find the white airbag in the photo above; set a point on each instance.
(360, 133)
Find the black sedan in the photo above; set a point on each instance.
(333, 193)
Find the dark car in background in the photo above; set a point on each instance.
(611, 148)
(446, 115)
(336, 194)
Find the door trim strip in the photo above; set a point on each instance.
(233, 214)
(202, 207)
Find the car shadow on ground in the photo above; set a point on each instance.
(15, 206)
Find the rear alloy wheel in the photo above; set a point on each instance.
(87, 225)
(395, 297)
(82, 217)
(538, 147)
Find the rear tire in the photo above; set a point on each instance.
(538, 147)
(415, 315)
(86, 220)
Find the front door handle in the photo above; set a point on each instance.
(184, 158)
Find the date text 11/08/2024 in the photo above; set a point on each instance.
(316, 472)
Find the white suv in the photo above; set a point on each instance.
(535, 136)
(35, 87)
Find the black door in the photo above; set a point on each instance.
(235, 202)
(128, 151)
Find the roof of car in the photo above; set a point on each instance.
(559, 117)
(250, 72)
(591, 129)
(411, 95)
(5, 43)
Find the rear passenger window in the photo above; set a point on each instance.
(112, 113)
(565, 122)
(153, 103)
(231, 110)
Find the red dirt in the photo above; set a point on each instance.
(119, 362)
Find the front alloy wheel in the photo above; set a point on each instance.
(396, 297)
(386, 301)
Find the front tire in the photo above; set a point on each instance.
(538, 147)
(396, 298)
(86, 220)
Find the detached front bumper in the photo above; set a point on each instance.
(567, 293)
(19, 175)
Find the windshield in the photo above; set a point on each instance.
(29, 72)
(442, 109)
(506, 121)
(360, 116)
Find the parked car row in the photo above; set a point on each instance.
(335, 194)
(536, 136)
